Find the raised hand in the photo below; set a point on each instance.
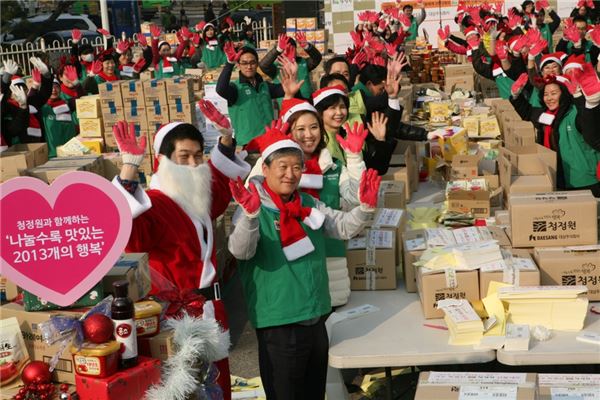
(404, 21)
(572, 34)
(355, 138)
(301, 40)
(71, 74)
(230, 22)
(248, 199)
(213, 114)
(514, 20)
(19, 94)
(357, 39)
(36, 76)
(290, 52)
(155, 31)
(282, 42)
(391, 49)
(444, 34)
(519, 84)
(590, 84)
(103, 32)
(76, 35)
(122, 46)
(139, 65)
(289, 76)
(382, 25)
(360, 59)
(377, 126)
(196, 39)
(232, 55)
(277, 127)
(533, 35)
(369, 189)
(142, 39)
(96, 68)
(39, 64)
(10, 67)
(187, 34)
(541, 4)
(520, 43)
(537, 48)
(127, 142)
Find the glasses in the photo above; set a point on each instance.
(248, 63)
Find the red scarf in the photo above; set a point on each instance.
(107, 78)
(33, 128)
(312, 177)
(548, 130)
(87, 65)
(68, 91)
(294, 241)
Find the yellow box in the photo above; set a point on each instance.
(96, 145)
(320, 35)
(310, 23)
(290, 23)
(88, 106)
(90, 127)
(310, 36)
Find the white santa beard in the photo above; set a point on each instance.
(189, 187)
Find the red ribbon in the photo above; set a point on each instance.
(178, 301)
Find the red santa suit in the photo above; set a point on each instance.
(180, 245)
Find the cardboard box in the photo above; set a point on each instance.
(521, 271)
(180, 90)
(133, 268)
(433, 287)
(514, 184)
(465, 385)
(136, 115)
(90, 127)
(130, 383)
(37, 348)
(21, 157)
(182, 113)
(96, 145)
(530, 160)
(568, 266)
(394, 219)
(391, 195)
(553, 219)
(519, 133)
(409, 173)
(111, 115)
(110, 94)
(476, 202)
(413, 246)
(155, 92)
(466, 82)
(160, 346)
(373, 269)
(568, 386)
(452, 70)
(88, 106)
(133, 93)
(61, 165)
(465, 166)
(157, 115)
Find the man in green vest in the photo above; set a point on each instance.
(249, 99)
(571, 43)
(547, 29)
(413, 29)
(280, 242)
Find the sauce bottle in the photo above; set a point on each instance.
(123, 312)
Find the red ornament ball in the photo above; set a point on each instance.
(36, 372)
(98, 328)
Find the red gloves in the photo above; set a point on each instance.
(357, 39)
(520, 43)
(519, 84)
(282, 42)
(514, 19)
(369, 189)
(360, 59)
(277, 126)
(290, 52)
(474, 41)
(585, 3)
(404, 21)
(142, 39)
(211, 113)
(301, 40)
(36, 75)
(249, 200)
(187, 34)
(155, 31)
(540, 4)
(444, 34)
(381, 26)
(232, 55)
(139, 65)
(537, 48)
(595, 35)
(230, 22)
(70, 73)
(97, 67)
(355, 138)
(196, 39)
(103, 32)
(572, 34)
(133, 150)
(122, 46)
(391, 49)
(76, 35)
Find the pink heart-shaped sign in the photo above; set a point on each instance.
(58, 241)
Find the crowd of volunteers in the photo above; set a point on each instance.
(309, 179)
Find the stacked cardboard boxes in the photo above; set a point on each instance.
(308, 26)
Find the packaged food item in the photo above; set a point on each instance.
(96, 359)
(13, 354)
(147, 318)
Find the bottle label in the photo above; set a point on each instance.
(125, 334)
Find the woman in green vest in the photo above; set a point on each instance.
(103, 70)
(279, 241)
(287, 46)
(550, 64)
(166, 65)
(213, 55)
(326, 178)
(413, 29)
(59, 125)
(564, 129)
(249, 99)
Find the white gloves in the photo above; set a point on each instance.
(19, 94)
(39, 64)
(10, 67)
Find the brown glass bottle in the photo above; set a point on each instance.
(123, 314)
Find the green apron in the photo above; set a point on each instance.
(252, 111)
(158, 72)
(547, 36)
(213, 58)
(334, 148)
(504, 83)
(57, 132)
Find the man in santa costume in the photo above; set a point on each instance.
(172, 220)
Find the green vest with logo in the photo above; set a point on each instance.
(252, 111)
(278, 291)
(57, 132)
(330, 195)
(413, 30)
(579, 160)
(213, 58)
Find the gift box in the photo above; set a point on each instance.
(133, 268)
(93, 296)
(160, 346)
(130, 383)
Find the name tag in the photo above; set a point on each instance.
(168, 69)
(63, 117)
(546, 119)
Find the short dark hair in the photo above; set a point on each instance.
(579, 18)
(330, 101)
(526, 3)
(327, 79)
(246, 50)
(329, 63)
(372, 73)
(294, 118)
(286, 151)
(85, 48)
(408, 6)
(180, 132)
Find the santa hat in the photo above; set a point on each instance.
(274, 140)
(490, 19)
(574, 61)
(471, 30)
(106, 55)
(325, 92)
(17, 80)
(160, 135)
(291, 106)
(163, 42)
(556, 57)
